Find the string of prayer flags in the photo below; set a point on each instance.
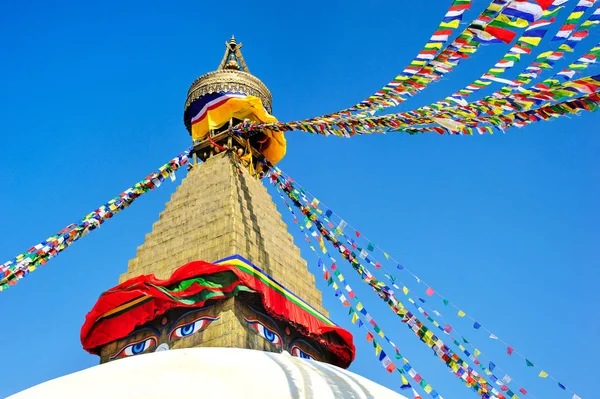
(532, 37)
(454, 115)
(385, 293)
(543, 61)
(23, 264)
(452, 360)
(463, 47)
(471, 125)
(355, 314)
(447, 329)
(438, 39)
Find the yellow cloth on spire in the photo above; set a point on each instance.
(241, 107)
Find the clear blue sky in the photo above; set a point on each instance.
(507, 226)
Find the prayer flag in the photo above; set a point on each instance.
(429, 291)
(529, 364)
(502, 34)
(461, 313)
(476, 326)
(509, 350)
(543, 374)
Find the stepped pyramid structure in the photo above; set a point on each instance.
(220, 210)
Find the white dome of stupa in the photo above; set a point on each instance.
(211, 373)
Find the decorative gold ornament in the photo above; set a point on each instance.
(231, 76)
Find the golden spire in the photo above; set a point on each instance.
(233, 58)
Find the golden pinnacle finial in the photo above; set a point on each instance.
(233, 56)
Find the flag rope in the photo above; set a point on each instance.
(453, 361)
(276, 172)
(23, 264)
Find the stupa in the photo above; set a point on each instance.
(217, 300)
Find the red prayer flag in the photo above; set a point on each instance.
(357, 233)
(369, 337)
(544, 3)
(509, 350)
(429, 291)
(500, 33)
(523, 391)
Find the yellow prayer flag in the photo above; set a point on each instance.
(405, 290)
(377, 349)
(534, 41)
(428, 387)
(451, 24)
(354, 318)
(543, 374)
(494, 7)
(461, 313)
(335, 286)
(434, 45)
(477, 352)
(576, 15)
(381, 334)
(517, 23)
(545, 54)
(359, 307)
(386, 255)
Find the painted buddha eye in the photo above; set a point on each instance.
(296, 351)
(187, 329)
(136, 348)
(264, 332)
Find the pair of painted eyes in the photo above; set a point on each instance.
(296, 351)
(136, 348)
(274, 338)
(190, 328)
(264, 332)
(180, 331)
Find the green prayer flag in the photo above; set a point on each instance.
(446, 302)
(371, 246)
(529, 364)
